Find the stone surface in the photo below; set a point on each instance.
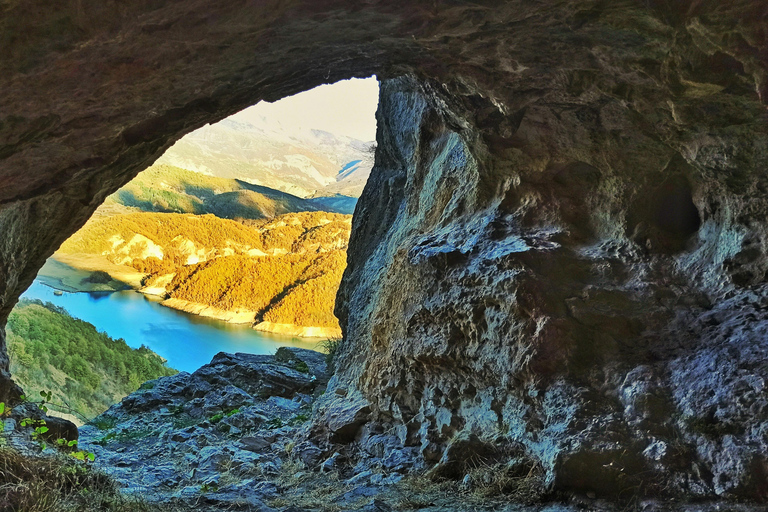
(583, 283)
(562, 246)
(200, 436)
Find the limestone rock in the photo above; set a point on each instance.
(201, 435)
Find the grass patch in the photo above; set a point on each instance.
(104, 422)
(521, 482)
(315, 491)
(491, 485)
(184, 421)
(60, 484)
(298, 419)
(330, 347)
(221, 415)
(147, 385)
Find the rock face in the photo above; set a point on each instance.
(214, 435)
(568, 285)
(560, 255)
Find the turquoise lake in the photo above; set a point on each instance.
(186, 341)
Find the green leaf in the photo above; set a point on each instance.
(44, 408)
(41, 430)
(91, 456)
(72, 443)
(2, 407)
(79, 455)
(43, 446)
(61, 441)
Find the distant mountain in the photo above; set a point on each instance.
(257, 150)
(168, 189)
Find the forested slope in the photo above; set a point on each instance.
(51, 351)
(169, 189)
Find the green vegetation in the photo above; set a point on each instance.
(85, 370)
(221, 415)
(141, 236)
(330, 346)
(285, 271)
(311, 298)
(295, 289)
(299, 419)
(123, 436)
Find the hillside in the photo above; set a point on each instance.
(281, 275)
(256, 149)
(169, 237)
(51, 351)
(165, 188)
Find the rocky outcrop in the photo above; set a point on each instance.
(560, 256)
(579, 284)
(215, 435)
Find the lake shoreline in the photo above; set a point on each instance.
(195, 308)
(70, 274)
(299, 330)
(185, 340)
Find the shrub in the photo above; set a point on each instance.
(331, 346)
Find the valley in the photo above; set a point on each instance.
(258, 149)
(179, 265)
(554, 294)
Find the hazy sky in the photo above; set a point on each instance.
(344, 108)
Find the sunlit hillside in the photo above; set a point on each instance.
(280, 274)
(164, 188)
(175, 238)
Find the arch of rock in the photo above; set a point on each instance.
(560, 253)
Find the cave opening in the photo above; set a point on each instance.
(234, 240)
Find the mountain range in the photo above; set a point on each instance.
(257, 149)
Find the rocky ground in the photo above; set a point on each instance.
(237, 435)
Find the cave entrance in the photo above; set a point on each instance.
(234, 240)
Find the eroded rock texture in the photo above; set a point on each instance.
(560, 254)
(571, 271)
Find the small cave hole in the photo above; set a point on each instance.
(665, 217)
(674, 211)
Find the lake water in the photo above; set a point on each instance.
(186, 341)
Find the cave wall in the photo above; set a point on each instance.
(560, 254)
(573, 274)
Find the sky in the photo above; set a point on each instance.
(344, 108)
